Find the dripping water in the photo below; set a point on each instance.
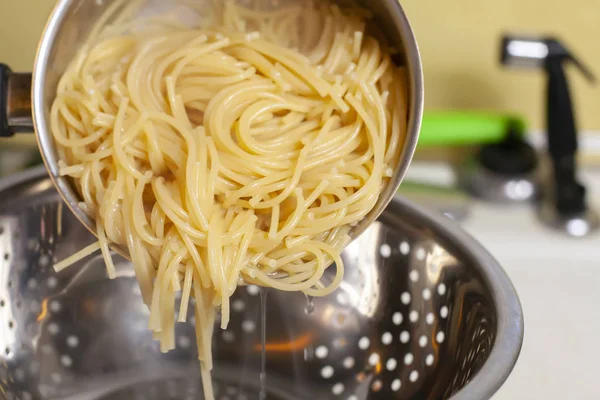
(309, 352)
(310, 305)
(263, 340)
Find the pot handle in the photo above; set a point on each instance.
(15, 102)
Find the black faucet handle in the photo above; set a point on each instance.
(557, 49)
(567, 200)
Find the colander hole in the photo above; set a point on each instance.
(374, 359)
(440, 337)
(396, 384)
(44, 260)
(184, 342)
(7, 351)
(421, 254)
(429, 360)
(191, 390)
(342, 298)
(321, 352)
(10, 284)
(413, 316)
(423, 341)
(248, 326)
(408, 359)
(19, 303)
(327, 372)
(391, 364)
(55, 306)
(414, 375)
(426, 294)
(338, 389)
(405, 298)
(444, 312)
(66, 361)
(231, 390)
(253, 290)
(442, 289)
(11, 325)
(52, 282)
(404, 248)
(1, 230)
(31, 284)
(46, 349)
(429, 318)
(404, 337)
(238, 305)
(6, 256)
(228, 336)
(72, 341)
(34, 367)
(364, 343)
(2, 303)
(397, 318)
(31, 244)
(53, 328)
(17, 235)
(377, 386)
(352, 397)
(387, 338)
(56, 378)
(414, 275)
(385, 250)
(348, 362)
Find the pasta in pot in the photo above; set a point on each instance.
(241, 150)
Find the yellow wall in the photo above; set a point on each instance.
(460, 45)
(459, 40)
(21, 24)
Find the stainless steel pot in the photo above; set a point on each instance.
(25, 102)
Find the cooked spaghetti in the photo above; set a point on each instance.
(239, 150)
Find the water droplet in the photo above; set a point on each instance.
(310, 305)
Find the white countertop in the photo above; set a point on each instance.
(558, 281)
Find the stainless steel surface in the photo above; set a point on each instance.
(424, 312)
(18, 107)
(72, 20)
(532, 52)
(449, 201)
(496, 188)
(522, 51)
(576, 226)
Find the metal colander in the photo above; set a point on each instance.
(423, 313)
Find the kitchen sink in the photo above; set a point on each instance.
(558, 281)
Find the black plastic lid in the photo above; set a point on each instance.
(513, 156)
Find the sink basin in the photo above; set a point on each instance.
(558, 281)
